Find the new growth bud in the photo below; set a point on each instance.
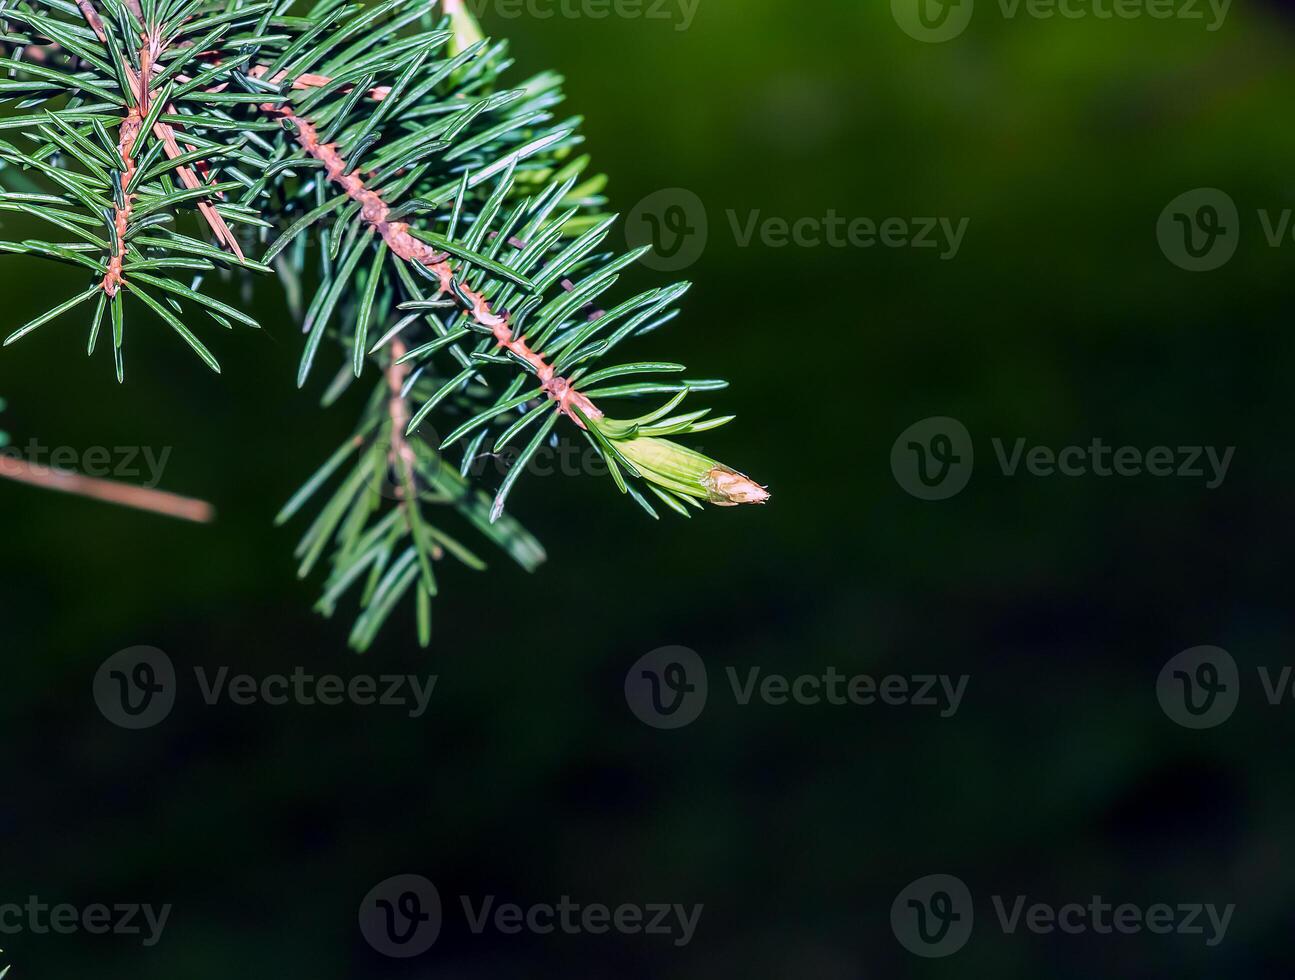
(683, 470)
(730, 488)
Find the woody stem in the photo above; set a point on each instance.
(125, 495)
(375, 212)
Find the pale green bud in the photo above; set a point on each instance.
(683, 470)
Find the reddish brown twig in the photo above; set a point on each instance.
(375, 212)
(309, 81)
(151, 45)
(123, 494)
(398, 409)
(92, 18)
(130, 127)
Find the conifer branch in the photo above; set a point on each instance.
(404, 192)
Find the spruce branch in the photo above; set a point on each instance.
(389, 174)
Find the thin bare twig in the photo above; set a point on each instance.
(308, 81)
(123, 494)
(398, 408)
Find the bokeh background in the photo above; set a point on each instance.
(1059, 777)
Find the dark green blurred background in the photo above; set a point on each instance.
(1059, 320)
